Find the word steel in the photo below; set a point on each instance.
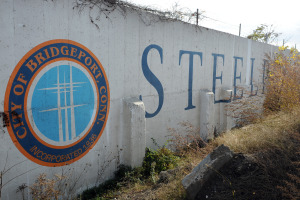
(155, 82)
(57, 100)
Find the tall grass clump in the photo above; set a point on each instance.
(283, 81)
(273, 132)
(281, 108)
(281, 90)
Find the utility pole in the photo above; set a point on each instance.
(197, 16)
(240, 29)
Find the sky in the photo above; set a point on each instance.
(226, 16)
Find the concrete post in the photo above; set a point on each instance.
(206, 115)
(225, 114)
(135, 132)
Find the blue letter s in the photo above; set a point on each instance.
(152, 79)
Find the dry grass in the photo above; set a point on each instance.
(171, 190)
(272, 132)
(270, 141)
(247, 110)
(186, 139)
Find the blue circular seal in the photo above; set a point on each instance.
(57, 101)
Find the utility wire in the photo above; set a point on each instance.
(204, 16)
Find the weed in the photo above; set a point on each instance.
(123, 177)
(129, 175)
(154, 162)
(6, 170)
(283, 81)
(246, 110)
(45, 189)
(158, 160)
(21, 189)
(186, 139)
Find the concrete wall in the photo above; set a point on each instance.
(159, 72)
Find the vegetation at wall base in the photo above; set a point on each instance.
(159, 160)
(268, 151)
(124, 176)
(44, 189)
(283, 81)
(154, 162)
(267, 159)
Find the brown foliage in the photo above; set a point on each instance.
(46, 189)
(283, 81)
(186, 140)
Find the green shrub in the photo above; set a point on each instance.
(159, 160)
(154, 162)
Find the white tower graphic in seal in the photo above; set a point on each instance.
(69, 103)
(65, 88)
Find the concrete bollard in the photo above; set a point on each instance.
(206, 115)
(135, 132)
(225, 114)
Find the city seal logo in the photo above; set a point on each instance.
(57, 100)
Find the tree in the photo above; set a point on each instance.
(264, 33)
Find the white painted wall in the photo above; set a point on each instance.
(119, 43)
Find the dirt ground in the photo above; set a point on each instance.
(269, 175)
(272, 174)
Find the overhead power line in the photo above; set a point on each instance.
(204, 16)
